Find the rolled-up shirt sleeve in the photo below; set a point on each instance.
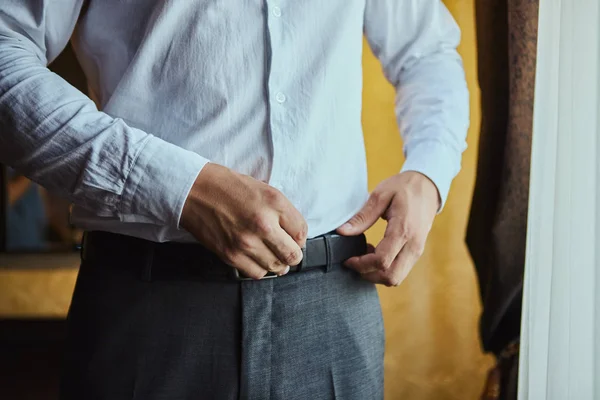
(416, 42)
(55, 135)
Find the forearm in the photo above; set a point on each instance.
(54, 134)
(416, 42)
(433, 114)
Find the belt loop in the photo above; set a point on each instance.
(328, 266)
(149, 260)
(300, 266)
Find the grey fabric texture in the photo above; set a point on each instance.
(310, 335)
(313, 335)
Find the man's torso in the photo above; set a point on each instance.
(270, 89)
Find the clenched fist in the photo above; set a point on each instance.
(250, 225)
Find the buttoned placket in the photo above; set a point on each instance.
(278, 99)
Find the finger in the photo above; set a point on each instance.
(248, 267)
(267, 259)
(385, 253)
(362, 264)
(285, 249)
(372, 262)
(367, 216)
(294, 224)
(373, 277)
(397, 272)
(391, 244)
(354, 262)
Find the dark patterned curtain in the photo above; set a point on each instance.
(506, 43)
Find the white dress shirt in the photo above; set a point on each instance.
(269, 88)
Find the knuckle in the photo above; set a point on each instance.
(303, 231)
(263, 227)
(359, 218)
(230, 255)
(376, 197)
(391, 281)
(243, 243)
(417, 249)
(276, 266)
(382, 263)
(292, 257)
(260, 223)
(404, 233)
(300, 237)
(272, 195)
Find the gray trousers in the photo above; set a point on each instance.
(311, 335)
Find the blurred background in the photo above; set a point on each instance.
(36, 220)
(433, 347)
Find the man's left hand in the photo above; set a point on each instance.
(408, 202)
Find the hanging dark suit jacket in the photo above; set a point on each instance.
(496, 234)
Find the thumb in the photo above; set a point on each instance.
(366, 217)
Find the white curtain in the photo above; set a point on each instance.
(560, 354)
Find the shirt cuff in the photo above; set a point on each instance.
(437, 162)
(159, 183)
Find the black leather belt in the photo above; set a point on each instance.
(193, 261)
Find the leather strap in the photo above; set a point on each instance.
(193, 261)
(331, 249)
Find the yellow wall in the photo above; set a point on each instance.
(431, 320)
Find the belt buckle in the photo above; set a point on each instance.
(241, 277)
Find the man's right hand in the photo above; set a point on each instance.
(250, 225)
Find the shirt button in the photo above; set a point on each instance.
(280, 97)
(277, 11)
